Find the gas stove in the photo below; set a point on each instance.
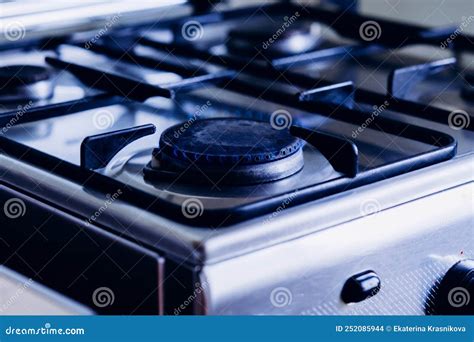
(239, 158)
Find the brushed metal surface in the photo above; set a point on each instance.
(409, 246)
(33, 20)
(22, 296)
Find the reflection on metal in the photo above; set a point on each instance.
(22, 296)
(33, 20)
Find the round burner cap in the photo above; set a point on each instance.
(20, 75)
(225, 151)
(228, 141)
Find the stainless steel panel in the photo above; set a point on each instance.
(409, 246)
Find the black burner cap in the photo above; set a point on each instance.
(228, 141)
(226, 150)
(19, 75)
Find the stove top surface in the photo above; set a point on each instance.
(209, 121)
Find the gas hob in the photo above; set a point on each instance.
(258, 159)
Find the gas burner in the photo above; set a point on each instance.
(25, 82)
(295, 40)
(228, 151)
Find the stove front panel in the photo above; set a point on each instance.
(409, 248)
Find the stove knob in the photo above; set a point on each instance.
(360, 287)
(456, 290)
